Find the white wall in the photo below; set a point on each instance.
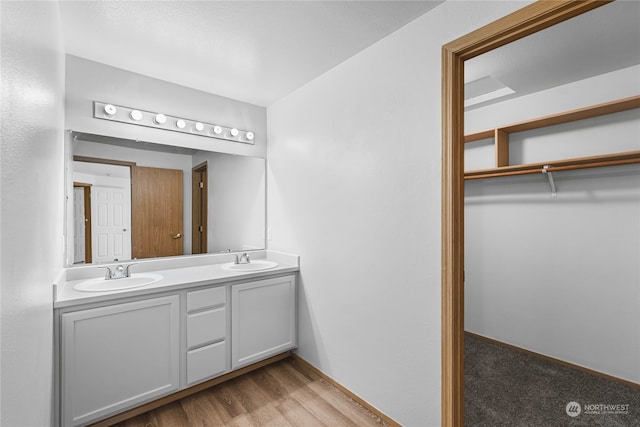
(88, 81)
(559, 276)
(32, 205)
(354, 189)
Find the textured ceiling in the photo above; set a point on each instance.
(254, 51)
(260, 51)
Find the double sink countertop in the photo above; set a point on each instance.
(177, 273)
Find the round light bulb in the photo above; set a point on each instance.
(181, 124)
(217, 130)
(136, 115)
(199, 127)
(234, 132)
(110, 110)
(160, 119)
(250, 136)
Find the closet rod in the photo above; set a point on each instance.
(630, 157)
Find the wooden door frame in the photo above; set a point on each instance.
(526, 21)
(86, 188)
(199, 209)
(101, 160)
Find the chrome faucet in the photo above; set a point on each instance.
(243, 259)
(119, 272)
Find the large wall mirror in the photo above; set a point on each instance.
(137, 200)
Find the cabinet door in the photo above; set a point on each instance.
(263, 319)
(118, 356)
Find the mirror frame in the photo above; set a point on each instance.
(519, 24)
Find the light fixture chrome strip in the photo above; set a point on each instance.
(118, 113)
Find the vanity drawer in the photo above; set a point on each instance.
(206, 327)
(197, 300)
(206, 362)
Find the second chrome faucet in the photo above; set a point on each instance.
(242, 259)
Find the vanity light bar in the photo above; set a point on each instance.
(118, 113)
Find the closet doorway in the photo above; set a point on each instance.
(552, 222)
(528, 20)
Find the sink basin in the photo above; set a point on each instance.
(100, 284)
(255, 265)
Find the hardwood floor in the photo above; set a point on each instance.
(285, 393)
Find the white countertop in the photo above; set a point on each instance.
(177, 273)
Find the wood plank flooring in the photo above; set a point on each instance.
(285, 393)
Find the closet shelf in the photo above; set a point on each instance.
(501, 138)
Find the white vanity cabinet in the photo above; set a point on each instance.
(114, 355)
(263, 319)
(117, 356)
(207, 348)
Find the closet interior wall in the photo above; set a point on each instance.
(558, 275)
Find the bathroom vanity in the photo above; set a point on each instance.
(201, 319)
